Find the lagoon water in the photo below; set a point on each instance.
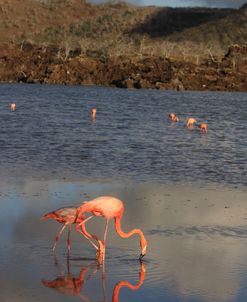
(185, 189)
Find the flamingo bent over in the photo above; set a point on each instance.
(12, 107)
(173, 117)
(203, 127)
(68, 216)
(93, 112)
(190, 122)
(111, 207)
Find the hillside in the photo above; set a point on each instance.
(74, 42)
(27, 18)
(116, 29)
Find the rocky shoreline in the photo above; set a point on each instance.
(27, 63)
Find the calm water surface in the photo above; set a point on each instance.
(186, 190)
(51, 133)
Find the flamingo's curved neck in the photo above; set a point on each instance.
(122, 234)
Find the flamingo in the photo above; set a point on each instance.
(12, 107)
(111, 207)
(68, 216)
(173, 117)
(190, 122)
(93, 112)
(203, 127)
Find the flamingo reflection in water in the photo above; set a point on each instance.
(123, 283)
(69, 284)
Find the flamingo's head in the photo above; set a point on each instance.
(143, 248)
(50, 215)
(171, 115)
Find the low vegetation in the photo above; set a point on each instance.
(74, 42)
(117, 29)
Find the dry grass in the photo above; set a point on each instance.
(117, 29)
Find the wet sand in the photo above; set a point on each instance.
(197, 239)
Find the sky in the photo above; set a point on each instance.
(182, 3)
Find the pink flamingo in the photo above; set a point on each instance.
(68, 216)
(93, 112)
(173, 117)
(12, 107)
(190, 122)
(111, 207)
(203, 127)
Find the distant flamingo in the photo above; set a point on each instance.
(173, 117)
(93, 112)
(12, 107)
(203, 127)
(68, 216)
(111, 207)
(190, 122)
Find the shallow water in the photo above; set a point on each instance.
(185, 190)
(197, 244)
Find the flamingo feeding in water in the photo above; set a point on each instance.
(173, 117)
(111, 207)
(12, 107)
(203, 127)
(68, 216)
(190, 122)
(93, 112)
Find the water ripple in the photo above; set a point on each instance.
(240, 232)
(131, 137)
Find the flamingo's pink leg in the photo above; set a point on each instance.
(85, 233)
(105, 234)
(106, 229)
(58, 237)
(68, 241)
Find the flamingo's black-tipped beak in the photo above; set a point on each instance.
(141, 256)
(45, 217)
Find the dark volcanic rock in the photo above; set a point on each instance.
(28, 63)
